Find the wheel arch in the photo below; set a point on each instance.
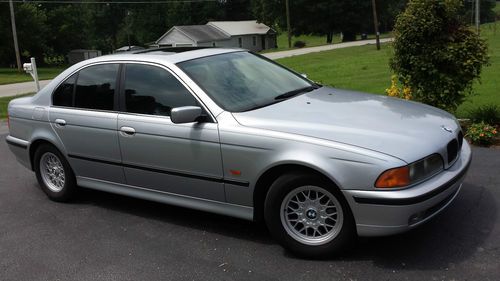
(266, 179)
(35, 144)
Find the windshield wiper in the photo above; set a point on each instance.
(295, 92)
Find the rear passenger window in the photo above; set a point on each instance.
(153, 90)
(63, 96)
(95, 87)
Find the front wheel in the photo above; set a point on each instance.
(308, 215)
(54, 174)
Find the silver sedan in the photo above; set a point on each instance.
(230, 132)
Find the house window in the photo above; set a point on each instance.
(254, 41)
(240, 43)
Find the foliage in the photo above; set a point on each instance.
(56, 28)
(53, 60)
(394, 90)
(489, 114)
(436, 54)
(481, 133)
(326, 17)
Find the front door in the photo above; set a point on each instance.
(157, 154)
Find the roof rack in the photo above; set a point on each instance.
(169, 50)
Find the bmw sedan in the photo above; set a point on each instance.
(230, 132)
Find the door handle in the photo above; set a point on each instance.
(60, 122)
(128, 130)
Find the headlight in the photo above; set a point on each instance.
(411, 174)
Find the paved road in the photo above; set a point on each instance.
(303, 51)
(102, 236)
(27, 87)
(20, 88)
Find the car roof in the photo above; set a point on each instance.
(166, 55)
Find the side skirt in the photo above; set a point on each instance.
(222, 208)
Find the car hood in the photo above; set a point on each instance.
(403, 129)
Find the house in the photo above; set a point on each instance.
(128, 49)
(79, 55)
(249, 35)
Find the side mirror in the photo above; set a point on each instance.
(185, 114)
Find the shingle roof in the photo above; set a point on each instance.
(241, 27)
(202, 33)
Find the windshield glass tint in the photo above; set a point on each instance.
(242, 81)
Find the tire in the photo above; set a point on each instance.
(310, 228)
(54, 174)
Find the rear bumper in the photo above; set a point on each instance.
(20, 149)
(380, 213)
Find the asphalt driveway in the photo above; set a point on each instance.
(102, 236)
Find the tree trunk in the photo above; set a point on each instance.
(329, 37)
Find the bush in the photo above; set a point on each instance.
(54, 60)
(299, 44)
(481, 133)
(489, 114)
(436, 54)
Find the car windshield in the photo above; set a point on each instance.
(243, 81)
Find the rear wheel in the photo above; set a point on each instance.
(54, 173)
(308, 215)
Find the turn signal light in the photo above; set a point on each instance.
(397, 177)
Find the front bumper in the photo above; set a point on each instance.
(380, 212)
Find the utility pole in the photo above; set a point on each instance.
(14, 35)
(288, 24)
(478, 21)
(375, 23)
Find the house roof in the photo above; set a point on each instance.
(241, 27)
(199, 33)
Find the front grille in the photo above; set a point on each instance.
(452, 150)
(454, 146)
(460, 140)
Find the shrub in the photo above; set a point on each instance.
(436, 54)
(481, 133)
(489, 114)
(299, 44)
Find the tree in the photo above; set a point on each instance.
(326, 17)
(436, 54)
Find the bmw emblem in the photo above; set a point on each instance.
(448, 129)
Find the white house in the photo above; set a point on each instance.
(249, 35)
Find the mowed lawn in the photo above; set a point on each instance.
(366, 69)
(4, 101)
(9, 75)
(311, 40)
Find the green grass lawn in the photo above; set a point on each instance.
(9, 75)
(311, 40)
(4, 101)
(366, 69)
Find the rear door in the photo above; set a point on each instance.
(84, 116)
(158, 154)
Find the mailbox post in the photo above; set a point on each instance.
(31, 69)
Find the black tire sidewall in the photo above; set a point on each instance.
(69, 187)
(277, 192)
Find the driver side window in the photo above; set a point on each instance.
(153, 90)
